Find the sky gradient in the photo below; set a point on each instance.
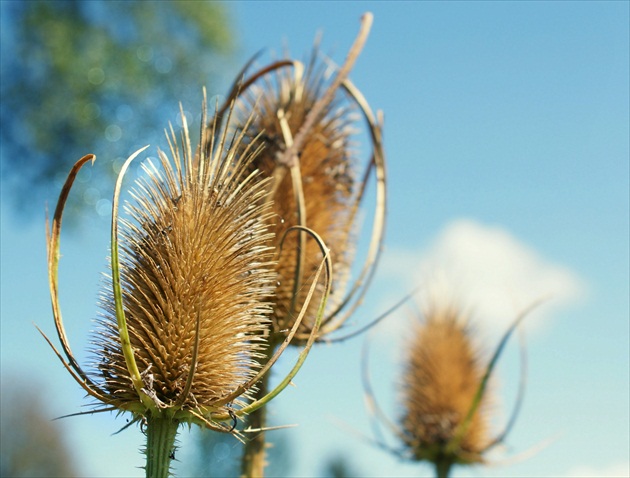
(507, 139)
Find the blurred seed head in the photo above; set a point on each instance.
(441, 379)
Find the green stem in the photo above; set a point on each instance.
(161, 431)
(443, 468)
(254, 453)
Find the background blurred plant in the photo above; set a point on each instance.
(309, 118)
(97, 73)
(444, 392)
(31, 444)
(439, 386)
(340, 465)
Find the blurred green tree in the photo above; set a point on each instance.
(97, 77)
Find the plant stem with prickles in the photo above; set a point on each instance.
(161, 431)
(254, 453)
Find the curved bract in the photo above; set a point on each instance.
(185, 313)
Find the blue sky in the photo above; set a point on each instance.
(507, 136)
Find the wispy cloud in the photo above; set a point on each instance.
(486, 270)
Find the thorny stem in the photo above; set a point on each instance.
(161, 431)
(254, 453)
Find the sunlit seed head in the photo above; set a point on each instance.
(194, 254)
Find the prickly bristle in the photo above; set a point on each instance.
(327, 166)
(443, 373)
(194, 254)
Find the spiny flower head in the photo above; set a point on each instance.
(186, 309)
(445, 392)
(440, 384)
(196, 271)
(321, 191)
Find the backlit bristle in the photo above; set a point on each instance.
(442, 376)
(194, 256)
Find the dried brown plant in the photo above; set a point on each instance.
(328, 181)
(186, 309)
(307, 118)
(445, 392)
(442, 376)
(196, 273)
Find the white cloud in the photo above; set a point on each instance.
(488, 271)
(617, 470)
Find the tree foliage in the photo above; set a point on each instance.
(97, 77)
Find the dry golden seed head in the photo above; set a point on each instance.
(442, 376)
(328, 176)
(195, 255)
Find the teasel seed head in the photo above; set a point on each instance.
(446, 391)
(442, 377)
(185, 313)
(195, 266)
(328, 183)
(321, 190)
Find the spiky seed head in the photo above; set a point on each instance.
(443, 373)
(196, 264)
(328, 177)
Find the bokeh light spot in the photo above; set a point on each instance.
(91, 196)
(117, 164)
(113, 133)
(91, 111)
(163, 64)
(221, 451)
(124, 113)
(96, 76)
(144, 53)
(104, 207)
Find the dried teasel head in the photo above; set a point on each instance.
(186, 310)
(443, 372)
(196, 271)
(327, 176)
(445, 393)
(307, 119)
